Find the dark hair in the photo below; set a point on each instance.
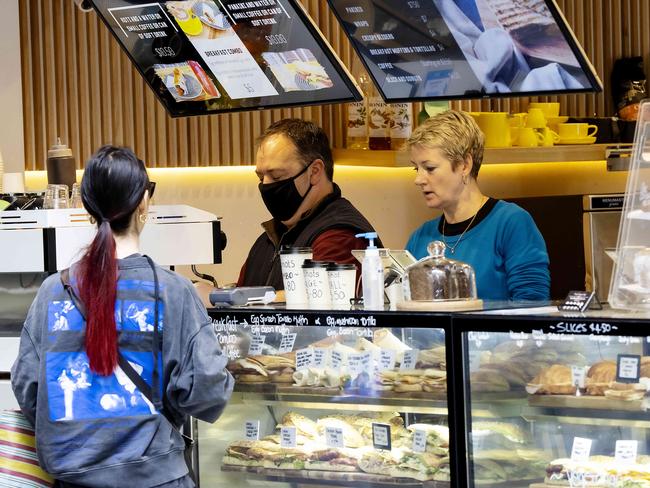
(310, 141)
(112, 187)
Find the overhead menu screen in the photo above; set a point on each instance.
(428, 49)
(211, 56)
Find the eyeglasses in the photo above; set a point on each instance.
(151, 188)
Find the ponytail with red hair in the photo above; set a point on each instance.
(112, 187)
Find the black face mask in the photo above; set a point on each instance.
(282, 198)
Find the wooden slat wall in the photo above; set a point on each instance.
(78, 84)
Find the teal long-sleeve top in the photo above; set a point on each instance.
(504, 247)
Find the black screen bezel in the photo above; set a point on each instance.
(585, 65)
(319, 39)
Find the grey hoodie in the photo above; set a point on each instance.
(94, 430)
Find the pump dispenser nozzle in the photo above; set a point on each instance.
(371, 236)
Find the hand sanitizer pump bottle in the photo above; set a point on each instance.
(372, 275)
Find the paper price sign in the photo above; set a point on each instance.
(334, 437)
(358, 363)
(581, 449)
(288, 437)
(320, 357)
(257, 341)
(410, 359)
(419, 441)
(626, 452)
(386, 360)
(304, 358)
(627, 368)
(337, 359)
(252, 430)
(578, 376)
(381, 436)
(287, 342)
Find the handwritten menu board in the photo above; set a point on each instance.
(211, 56)
(427, 49)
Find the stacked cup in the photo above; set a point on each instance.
(291, 260)
(342, 281)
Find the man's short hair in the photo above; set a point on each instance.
(456, 134)
(310, 141)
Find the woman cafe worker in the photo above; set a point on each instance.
(105, 413)
(498, 239)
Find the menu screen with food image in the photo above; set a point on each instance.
(428, 49)
(211, 56)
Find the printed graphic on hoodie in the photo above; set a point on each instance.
(132, 315)
(76, 393)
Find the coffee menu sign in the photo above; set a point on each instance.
(212, 56)
(428, 49)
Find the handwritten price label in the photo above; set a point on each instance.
(287, 342)
(334, 437)
(304, 358)
(252, 430)
(581, 449)
(257, 341)
(288, 437)
(410, 359)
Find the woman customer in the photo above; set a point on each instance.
(105, 413)
(499, 239)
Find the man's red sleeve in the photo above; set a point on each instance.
(336, 245)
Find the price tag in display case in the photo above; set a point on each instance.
(337, 359)
(321, 355)
(304, 358)
(581, 449)
(287, 437)
(578, 376)
(381, 436)
(625, 452)
(334, 437)
(286, 343)
(359, 363)
(410, 359)
(257, 341)
(419, 441)
(627, 368)
(252, 430)
(386, 360)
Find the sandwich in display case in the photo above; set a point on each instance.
(336, 398)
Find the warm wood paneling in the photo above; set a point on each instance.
(79, 85)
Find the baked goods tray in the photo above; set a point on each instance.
(588, 402)
(335, 477)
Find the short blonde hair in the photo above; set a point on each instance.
(456, 134)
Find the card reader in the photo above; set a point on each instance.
(243, 295)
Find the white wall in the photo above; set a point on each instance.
(11, 93)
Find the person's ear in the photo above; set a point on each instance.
(317, 171)
(467, 165)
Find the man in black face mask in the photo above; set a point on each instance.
(295, 167)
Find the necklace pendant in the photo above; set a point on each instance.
(452, 250)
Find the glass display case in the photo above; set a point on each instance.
(330, 398)
(630, 287)
(554, 399)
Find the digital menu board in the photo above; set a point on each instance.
(212, 56)
(444, 49)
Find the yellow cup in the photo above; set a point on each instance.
(496, 127)
(577, 131)
(549, 109)
(549, 137)
(535, 119)
(529, 137)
